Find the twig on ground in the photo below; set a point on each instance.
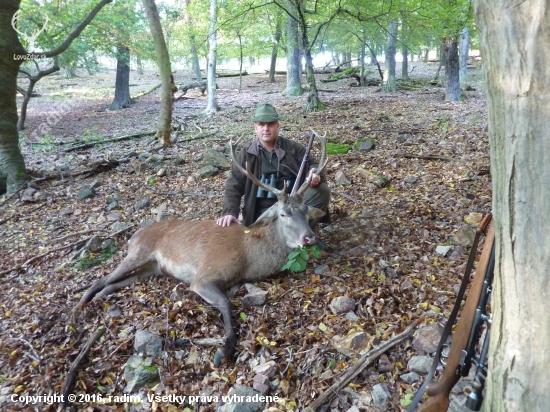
(60, 239)
(175, 193)
(430, 157)
(346, 197)
(115, 139)
(67, 387)
(361, 364)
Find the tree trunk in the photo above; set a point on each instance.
(313, 101)
(70, 70)
(405, 64)
(391, 48)
(192, 41)
(139, 66)
(12, 166)
(275, 49)
(122, 83)
(240, 62)
(212, 105)
(362, 60)
(515, 39)
(293, 59)
(464, 51)
(452, 81)
(168, 88)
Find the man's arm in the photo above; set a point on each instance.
(234, 191)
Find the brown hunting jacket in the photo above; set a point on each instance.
(289, 153)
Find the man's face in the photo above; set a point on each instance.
(267, 132)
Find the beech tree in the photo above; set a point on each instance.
(212, 105)
(515, 39)
(13, 172)
(168, 88)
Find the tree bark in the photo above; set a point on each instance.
(12, 170)
(122, 98)
(515, 39)
(275, 49)
(168, 88)
(452, 81)
(293, 57)
(192, 41)
(463, 57)
(212, 105)
(391, 48)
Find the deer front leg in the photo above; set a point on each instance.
(217, 298)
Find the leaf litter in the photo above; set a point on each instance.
(381, 241)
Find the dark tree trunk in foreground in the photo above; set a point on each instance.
(122, 83)
(452, 81)
(168, 88)
(12, 166)
(515, 39)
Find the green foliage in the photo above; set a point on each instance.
(335, 148)
(407, 400)
(297, 260)
(88, 262)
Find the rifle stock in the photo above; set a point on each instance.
(438, 392)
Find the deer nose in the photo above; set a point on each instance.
(309, 240)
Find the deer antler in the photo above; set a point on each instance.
(279, 193)
(322, 162)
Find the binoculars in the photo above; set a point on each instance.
(269, 180)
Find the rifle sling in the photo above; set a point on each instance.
(449, 324)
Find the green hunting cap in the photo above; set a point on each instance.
(265, 112)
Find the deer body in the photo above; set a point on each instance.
(211, 258)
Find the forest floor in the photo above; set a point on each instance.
(381, 242)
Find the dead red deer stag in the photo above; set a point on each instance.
(212, 259)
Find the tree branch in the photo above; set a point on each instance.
(76, 32)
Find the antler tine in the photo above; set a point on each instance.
(322, 162)
(250, 175)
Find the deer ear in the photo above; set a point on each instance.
(314, 213)
(266, 217)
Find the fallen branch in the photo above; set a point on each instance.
(60, 239)
(346, 197)
(200, 342)
(68, 385)
(174, 193)
(430, 157)
(145, 93)
(361, 364)
(115, 139)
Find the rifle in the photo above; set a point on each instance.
(303, 165)
(462, 352)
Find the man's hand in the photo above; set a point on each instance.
(227, 220)
(315, 178)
